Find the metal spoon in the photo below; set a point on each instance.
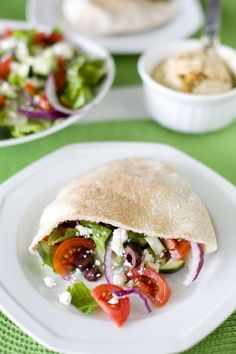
(212, 24)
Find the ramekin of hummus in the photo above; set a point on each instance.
(199, 72)
(187, 89)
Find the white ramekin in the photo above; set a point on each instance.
(180, 111)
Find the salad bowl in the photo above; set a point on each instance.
(85, 47)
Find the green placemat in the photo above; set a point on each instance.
(217, 150)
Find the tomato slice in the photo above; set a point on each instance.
(64, 257)
(118, 312)
(5, 67)
(60, 74)
(151, 284)
(43, 102)
(178, 249)
(2, 101)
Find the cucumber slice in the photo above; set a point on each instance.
(172, 266)
(155, 245)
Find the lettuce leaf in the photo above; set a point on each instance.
(46, 252)
(82, 298)
(83, 76)
(30, 128)
(137, 238)
(60, 234)
(100, 234)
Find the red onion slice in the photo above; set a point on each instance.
(195, 263)
(107, 262)
(43, 115)
(121, 294)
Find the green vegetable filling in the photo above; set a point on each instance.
(82, 298)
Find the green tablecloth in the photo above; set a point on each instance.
(217, 150)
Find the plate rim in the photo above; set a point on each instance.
(16, 312)
(115, 49)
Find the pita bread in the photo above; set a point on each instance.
(107, 17)
(138, 194)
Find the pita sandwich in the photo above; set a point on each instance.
(115, 17)
(143, 195)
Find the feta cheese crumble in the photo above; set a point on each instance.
(119, 279)
(83, 231)
(76, 276)
(114, 300)
(118, 239)
(97, 262)
(65, 298)
(49, 282)
(147, 257)
(63, 49)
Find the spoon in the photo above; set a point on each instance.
(212, 24)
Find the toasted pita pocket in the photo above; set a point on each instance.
(143, 195)
(106, 17)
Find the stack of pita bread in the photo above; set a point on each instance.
(116, 17)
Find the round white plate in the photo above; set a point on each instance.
(188, 21)
(192, 312)
(88, 46)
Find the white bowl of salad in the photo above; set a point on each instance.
(46, 81)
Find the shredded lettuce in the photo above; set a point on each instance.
(100, 234)
(82, 298)
(82, 78)
(60, 234)
(30, 127)
(25, 35)
(5, 132)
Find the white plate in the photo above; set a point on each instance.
(88, 46)
(191, 313)
(188, 21)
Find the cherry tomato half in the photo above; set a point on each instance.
(178, 249)
(118, 312)
(64, 257)
(5, 67)
(151, 284)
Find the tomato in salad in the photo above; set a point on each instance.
(60, 74)
(43, 102)
(151, 284)
(2, 101)
(55, 37)
(65, 254)
(119, 312)
(7, 33)
(178, 249)
(44, 39)
(30, 88)
(5, 67)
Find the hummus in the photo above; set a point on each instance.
(197, 72)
